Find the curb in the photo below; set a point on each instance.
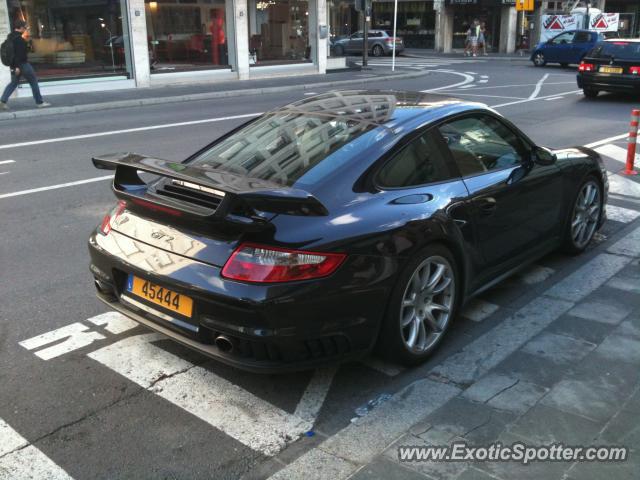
(524, 57)
(91, 107)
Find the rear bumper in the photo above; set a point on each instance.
(609, 82)
(273, 328)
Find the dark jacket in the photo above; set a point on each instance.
(20, 49)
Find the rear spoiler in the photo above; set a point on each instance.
(233, 189)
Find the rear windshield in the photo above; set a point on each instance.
(283, 146)
(618, 49)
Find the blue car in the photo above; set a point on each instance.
(568, 47)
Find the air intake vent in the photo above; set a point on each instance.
(192, 193)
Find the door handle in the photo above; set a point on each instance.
(487, 206)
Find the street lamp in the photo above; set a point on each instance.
(104, 25)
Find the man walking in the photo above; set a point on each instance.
(20, 67)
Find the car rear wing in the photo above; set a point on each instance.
(232, 190)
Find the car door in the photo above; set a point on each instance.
(558, 48)
(582, 42)
(354, 45)
(517, 203)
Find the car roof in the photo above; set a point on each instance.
(384, 108)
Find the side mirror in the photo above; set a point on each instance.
(543, 156)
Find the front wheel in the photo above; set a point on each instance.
(585, 216)
(422, 305)
(539, 60)
(590, 92)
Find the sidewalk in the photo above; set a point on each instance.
(564, 368)
(459, 54)
(106, 100)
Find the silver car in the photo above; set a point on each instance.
(380, 43)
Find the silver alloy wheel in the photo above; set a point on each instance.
(586, 214)
(377, 51)
(538, 59)
(427, 303)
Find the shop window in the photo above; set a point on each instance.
(415, 23)
(343, 20)
(278, 32)
(75, 39)
(187, 35)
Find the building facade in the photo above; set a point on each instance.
(93, 45)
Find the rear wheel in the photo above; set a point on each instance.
(585, 216)
(421, 308)
(338, 50)
(539, 60)
(590, 92)
(377, 51)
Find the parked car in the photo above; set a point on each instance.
(568, 47)
(613, 66)
(380, 43)
(337, 223)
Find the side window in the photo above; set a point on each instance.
(418, 163)
(582, 37)
(481, 144)
(563, 38)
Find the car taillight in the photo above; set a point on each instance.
(265, 264)
(586, 67)
(634, 70)
(105, 226)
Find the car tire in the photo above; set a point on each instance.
(338, 50)
(584, 216)
(420, 309)
(590, 92)
(377, 51)
(564, 65)
(539, 60)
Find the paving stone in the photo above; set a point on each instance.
(617, 347)
(618, 377)
(519, 398)
(384, 469)
(629, 328)
(531, 368)
(488, 387)
(547, 425)
(627, 282)
(587, 330)
(583, 398)
(633, 403)
(558, 348)
(535, 274)
(476, 422)
(473, 473)
(627, 470)
(477, 310)
(623, 429)
(607, 312)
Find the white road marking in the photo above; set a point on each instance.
(621, 214)
(624, 185)
(238, 413)
(389, 369)
(21, 461)
(458, 93)
(523, 85)
(75, 336)
(55, 187)
(483, 81)
(467, 79)
(128, 130)
(4, 162)
(310, 93)
(613, 151)
(553, 98)
(530, 99)
(607, 140)
(4, 173)
(538, 87)
(314, 395)
(466, 86)
(484, 77)
(113, 322)
(477, 310)
(471, 73)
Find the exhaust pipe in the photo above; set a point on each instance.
(224, 344)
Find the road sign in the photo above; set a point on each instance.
(524, 5)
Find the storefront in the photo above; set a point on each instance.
(629, 11)
(75, 38)
(188, 35)
(415, 22)
(487, 12)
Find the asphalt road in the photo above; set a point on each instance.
(96, 411)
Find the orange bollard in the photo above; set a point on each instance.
(631, 145)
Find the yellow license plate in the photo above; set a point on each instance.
(611, 69)
(160, 296)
